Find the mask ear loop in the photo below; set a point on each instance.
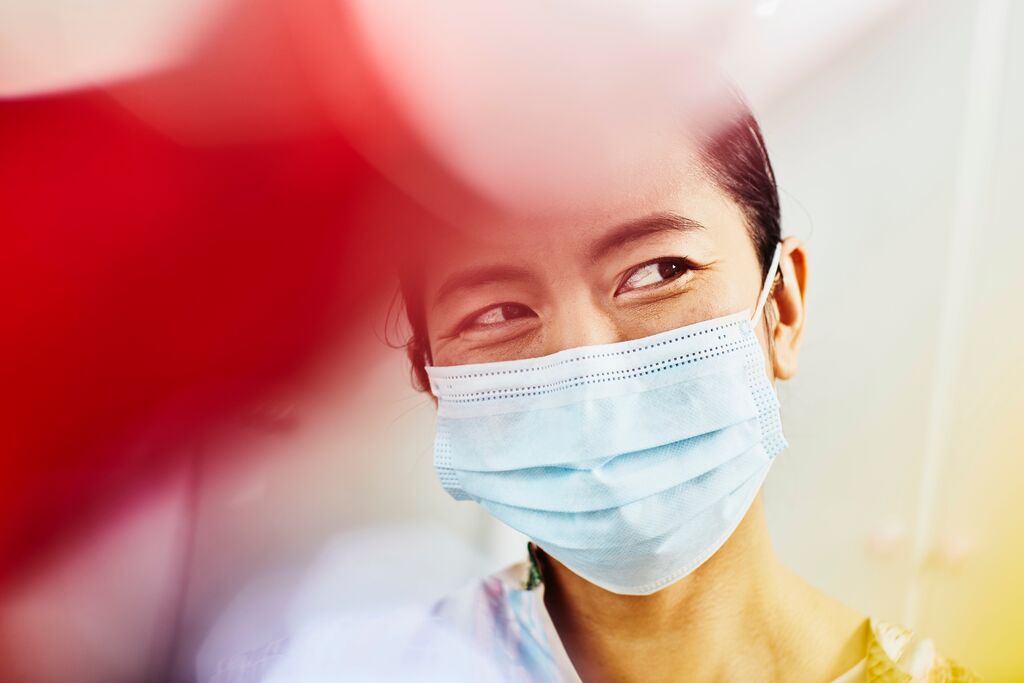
(766, 287)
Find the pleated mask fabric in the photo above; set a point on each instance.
(631, 463)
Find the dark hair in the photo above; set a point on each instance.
(736, 158)
(732, 153)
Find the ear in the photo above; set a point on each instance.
(789, 296)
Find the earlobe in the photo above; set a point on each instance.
(789, 298)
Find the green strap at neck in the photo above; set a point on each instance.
(535, 578)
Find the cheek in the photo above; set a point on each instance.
(460, 350)
(723, 292)
(720, 298)
(737, 280)
(710, 297)
(441, 352)
(737, 294)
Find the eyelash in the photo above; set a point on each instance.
(685, 266)
(468, 323)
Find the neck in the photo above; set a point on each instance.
(740, 616)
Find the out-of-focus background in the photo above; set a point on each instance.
(894, 128)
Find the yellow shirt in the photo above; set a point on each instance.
(895, 655)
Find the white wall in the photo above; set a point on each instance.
(901, 167)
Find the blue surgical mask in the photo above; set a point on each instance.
(630, 463)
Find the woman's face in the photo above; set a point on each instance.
(520, 289)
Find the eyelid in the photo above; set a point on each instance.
(686, 263)
(467, 321)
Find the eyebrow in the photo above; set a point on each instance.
(475, 277)
(616, 238)
(656, 223)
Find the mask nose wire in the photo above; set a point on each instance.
(766, 287)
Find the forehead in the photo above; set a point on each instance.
(566, 230)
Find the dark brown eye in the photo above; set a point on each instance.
(669, 269)
(654, 273)
(501, 313)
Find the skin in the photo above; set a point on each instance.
(678, 254)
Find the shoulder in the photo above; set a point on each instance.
(895, 654)
(248, 666)
(401, 644)
(474, 634)
(496, 607)
(490, 630)
(506, 620)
